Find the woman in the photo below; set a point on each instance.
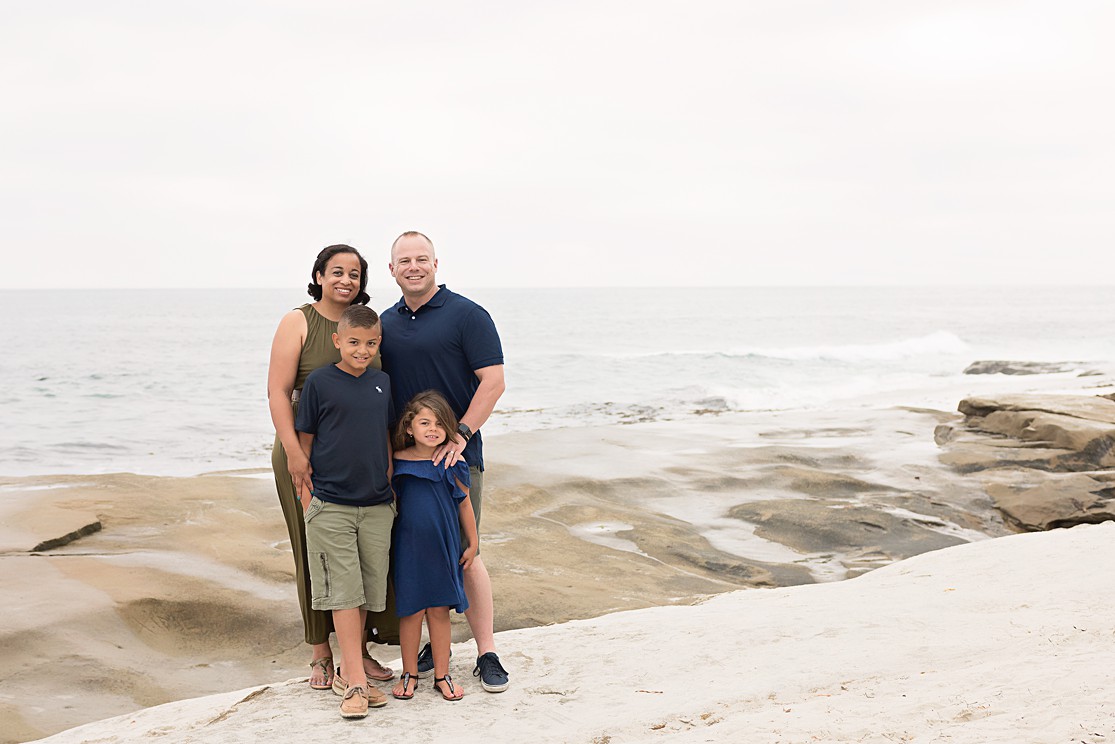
(304, 342)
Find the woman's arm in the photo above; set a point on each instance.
(306, 490)
(286, 349)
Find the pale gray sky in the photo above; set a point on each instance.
(580, 143)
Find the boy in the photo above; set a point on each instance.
(342, 425)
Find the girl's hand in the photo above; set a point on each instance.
(467, 556)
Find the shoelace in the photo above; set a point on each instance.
(487, 665)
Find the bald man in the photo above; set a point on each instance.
(435, 339)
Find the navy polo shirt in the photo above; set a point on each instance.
(438, 347)
(349, 418)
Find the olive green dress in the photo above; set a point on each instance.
(318, 351)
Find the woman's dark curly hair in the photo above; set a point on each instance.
(314, 289)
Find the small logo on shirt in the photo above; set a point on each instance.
(378, 389)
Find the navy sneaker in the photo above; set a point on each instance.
(426, 661)
(493, 677)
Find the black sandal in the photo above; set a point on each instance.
(452, 690)
(406, 679)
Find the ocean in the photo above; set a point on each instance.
(173, 382)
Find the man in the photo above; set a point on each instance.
(435, 339)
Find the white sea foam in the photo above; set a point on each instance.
(936, 343)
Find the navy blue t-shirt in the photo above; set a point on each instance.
(438, 347)
(349, 418)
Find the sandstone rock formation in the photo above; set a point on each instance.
(1047, 461)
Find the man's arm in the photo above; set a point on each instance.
(479, 409)
(486, 396)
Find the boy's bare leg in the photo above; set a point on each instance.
(410, 634)
(481, 611)
(349, 626)
(441, 636)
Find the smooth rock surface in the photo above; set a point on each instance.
(1045, 460)
(995, 642)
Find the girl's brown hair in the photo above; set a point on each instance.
(437, 404)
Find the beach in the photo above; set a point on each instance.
(956, 645)
(639, 463)
(174, 588)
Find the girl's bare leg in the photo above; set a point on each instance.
(410, 633)
(441, 637)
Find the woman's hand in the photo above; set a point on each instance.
(300, 472)
(304, 497)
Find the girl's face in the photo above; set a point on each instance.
(341, 280)
(426, 429)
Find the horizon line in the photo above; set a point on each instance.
(925, 285)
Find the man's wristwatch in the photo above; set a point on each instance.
(464, 431)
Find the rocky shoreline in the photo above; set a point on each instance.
(151, 589)
(1046, 461)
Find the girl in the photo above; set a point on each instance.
(427, 560)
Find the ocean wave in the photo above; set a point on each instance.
(937, 343)
(933, 344)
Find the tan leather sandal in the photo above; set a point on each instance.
(325, 664)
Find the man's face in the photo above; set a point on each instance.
(413, 265)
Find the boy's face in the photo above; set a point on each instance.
(358, 347)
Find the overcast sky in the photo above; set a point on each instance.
(154, 144)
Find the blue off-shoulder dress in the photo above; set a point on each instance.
(426, 539)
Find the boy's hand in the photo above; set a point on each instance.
(467, 556)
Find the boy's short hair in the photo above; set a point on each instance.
(358, 316)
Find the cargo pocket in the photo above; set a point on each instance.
(319, 578)
(316, 505)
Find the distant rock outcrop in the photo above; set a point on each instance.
(1004, 367)
(1047, 461)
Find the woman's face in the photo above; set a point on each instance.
(340, 282)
